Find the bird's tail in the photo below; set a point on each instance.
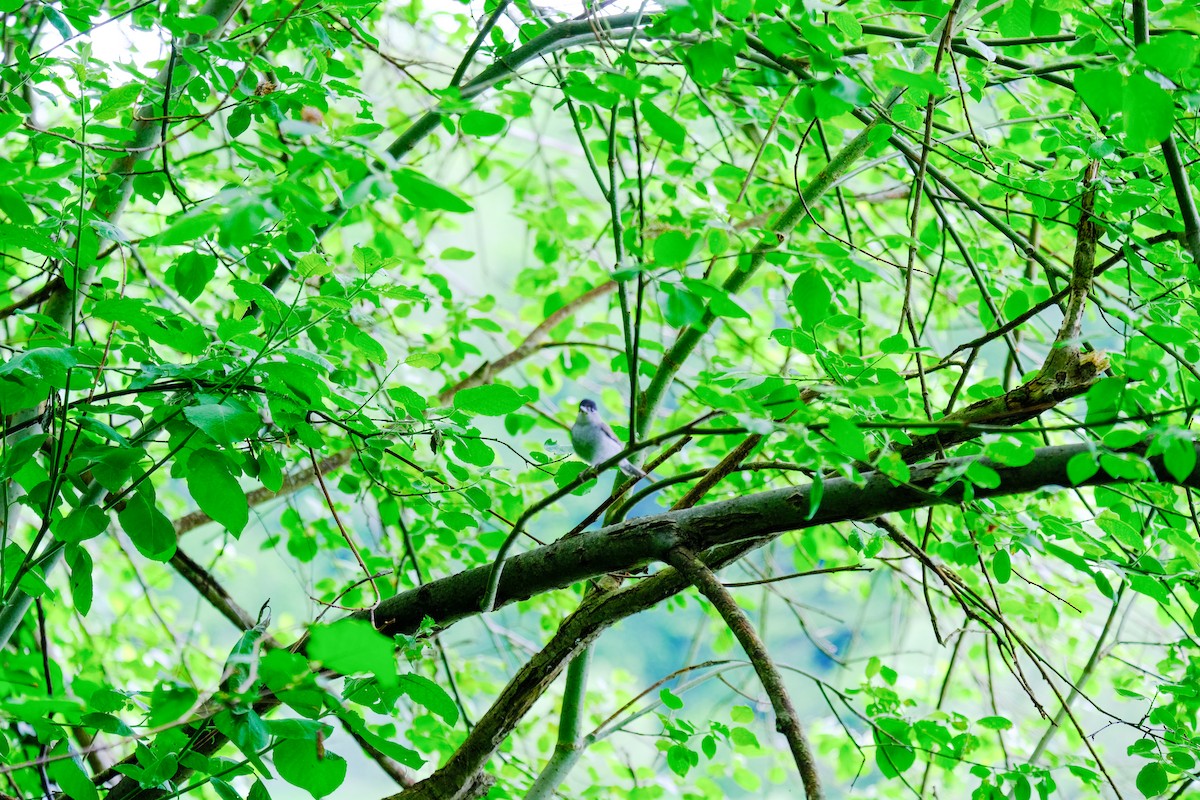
(633, 471)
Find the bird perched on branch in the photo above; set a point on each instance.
(595, 442)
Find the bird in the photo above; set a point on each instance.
(595, 442)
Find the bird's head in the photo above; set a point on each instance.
(587, 411)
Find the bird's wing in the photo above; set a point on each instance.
(607, 430)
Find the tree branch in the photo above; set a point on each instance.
(487, 371)
(638, 542)
(787, 721)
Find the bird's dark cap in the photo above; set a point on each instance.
(587, 405)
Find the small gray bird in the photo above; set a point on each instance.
(595, 442)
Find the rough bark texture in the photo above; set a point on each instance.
(636, 543)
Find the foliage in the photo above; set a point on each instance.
(299, 298)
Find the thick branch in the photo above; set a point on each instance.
(569, 747)
(1083, 267)
(628, 545)
(578, 631)
(732, 528)
(559, 37)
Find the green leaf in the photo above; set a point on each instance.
(1149, 113)
(12, 203)
(409, 758)
(68, 773)
(568, 472)
(191, 273)
(10, 122)
(79, 562)
(816, 492)
(663, 124)
(118, 100)
(247, 732)
(58, 21)
(892, 760)
(82, 524)
(996, 723)
(1170, 54)
(494, 400)
(198, 24)
(312, 265)
(810, 296)
(743, 737)
(1179, 455)
(423, 360)
(238, 121)
(225, 422)
(409, 400)
(297, 729)
(27, 237)
(1017, 19)
(1002, 566)
(213, 486)
(839, 95)
(353, 646)
(188, 228)
(1102, 90)
(848, 24)
(892, 756)
(669, 699)
(1119, 530)
(683, 306)
(390, 747)
(708, 61)
(1152, 779)
(680, 759)
(425, 193)
(147, 527)
(674, 248)
(425, 692)
(482, 123)
(981, 474)
(366, 344)
(1082, 466)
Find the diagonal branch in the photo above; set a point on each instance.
(787, 721)
(292, 482)
(489, 370)
(1083, 265)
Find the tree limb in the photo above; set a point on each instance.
(787, 721)
(636, 543)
